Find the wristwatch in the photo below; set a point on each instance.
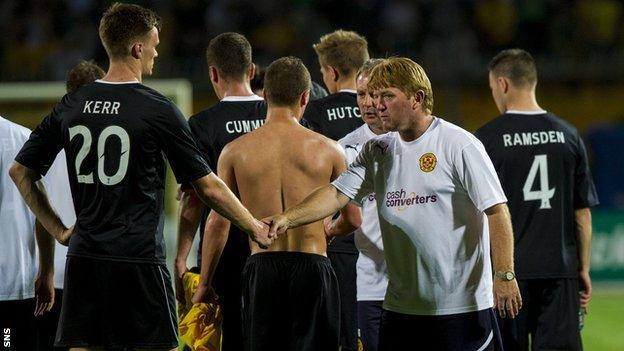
(506, 276)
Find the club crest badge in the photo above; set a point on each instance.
(428, 162)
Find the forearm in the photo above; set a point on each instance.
(213, 192)
(35, 197)
(319, 204)
(191, 209)
(501, 238)
(46, 244)
(349, 220)
(583, 236)
(215, 237)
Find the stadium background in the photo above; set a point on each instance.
(578, 45)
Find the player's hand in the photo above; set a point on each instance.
(44, 293)
(585, 288)
(507, 299)
(179, 269)
(327, 226)
(279, 224)
(204, 293)
(64, 236)
(260, 234)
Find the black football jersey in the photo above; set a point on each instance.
(335, 116)
(214, 128)
(542, 164)
(116, 137)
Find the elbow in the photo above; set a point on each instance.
(16, 172)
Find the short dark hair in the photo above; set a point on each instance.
(83, 73)
(516, 65)
(285, 80)
(230, 53)
(123, 23)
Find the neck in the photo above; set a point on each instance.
(417, 128)
(122, 71)
(375, 129)
(347, 83)
(523, 101)
(230, 88)
(283, 114)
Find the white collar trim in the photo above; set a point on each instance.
(520, 112)
(252, 97)
(108, 82)
(352, 91)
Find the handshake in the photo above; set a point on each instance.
(264, 232)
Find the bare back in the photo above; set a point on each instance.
(277, 166)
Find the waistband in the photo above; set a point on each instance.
(287, 255)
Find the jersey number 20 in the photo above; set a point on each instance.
(109, 131)
(540, 165)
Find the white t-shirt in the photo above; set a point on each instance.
(431, 194)
(18, 250)
(372, 273)
(59, 193)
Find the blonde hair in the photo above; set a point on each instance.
(405, 75)
(344, 50)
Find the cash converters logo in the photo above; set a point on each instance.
(401, 199)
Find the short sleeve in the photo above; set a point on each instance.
(178, 144)
(45, 142)
(584, 190)
(478, 176)
(357, 181)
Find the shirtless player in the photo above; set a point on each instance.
(290, 291)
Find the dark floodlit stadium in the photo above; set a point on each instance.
(362, 175)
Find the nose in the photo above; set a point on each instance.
(368, 101)
(377, 103)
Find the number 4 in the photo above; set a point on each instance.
(540, 164)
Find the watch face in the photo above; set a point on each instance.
(509, 275)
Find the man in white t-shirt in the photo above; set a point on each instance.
(19, 279)
(372, 274)
(437, 194)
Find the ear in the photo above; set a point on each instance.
(136, 50)
(251, 72)
(214, 74)
(334, 73)
(304, 98)
(419, 99)
(264, 94)
(503, 84)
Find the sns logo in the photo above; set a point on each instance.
(428, 162)
(7, 337)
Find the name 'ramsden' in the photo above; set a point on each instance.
(533, 138)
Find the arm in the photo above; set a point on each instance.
(506, 293)
(215, 237)
(584, 234)
(349, 220)
(191, 209)
(350, 217)
(215, 193)
(44, 284)
(215, 234)
(321, 203)
(35, 197)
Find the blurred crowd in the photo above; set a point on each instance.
(578, 40)
(575, 42)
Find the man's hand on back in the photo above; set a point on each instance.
(261, 235)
